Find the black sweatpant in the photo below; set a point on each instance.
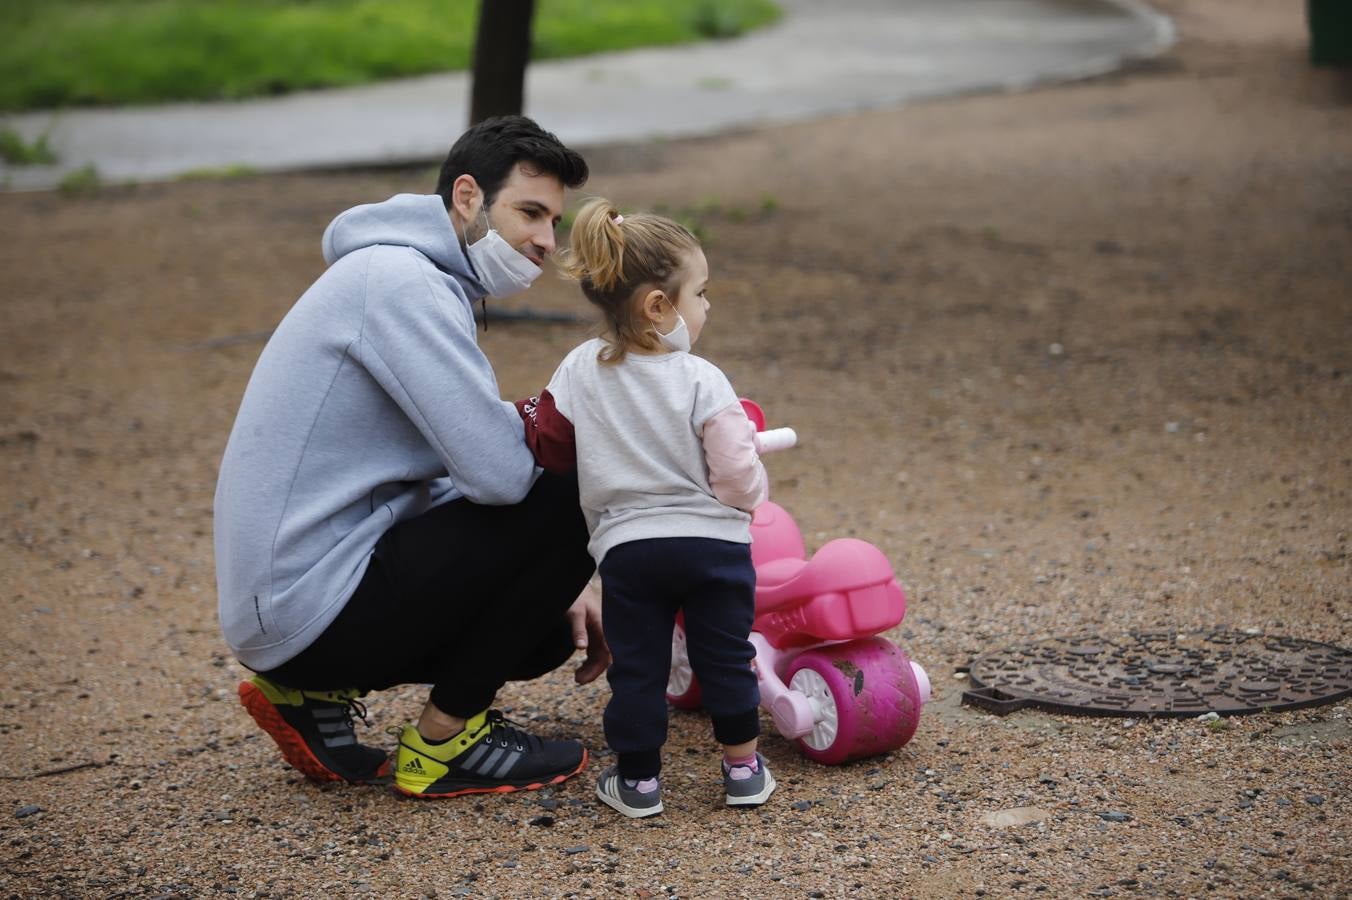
(464, 597)
(643, 585)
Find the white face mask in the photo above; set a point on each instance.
(502, 269)
(678, 338)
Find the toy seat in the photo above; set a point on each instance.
(846, 590)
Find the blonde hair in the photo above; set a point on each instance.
(612, 256)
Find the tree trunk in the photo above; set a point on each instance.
(501, 52)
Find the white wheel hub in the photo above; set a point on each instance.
(826, 719)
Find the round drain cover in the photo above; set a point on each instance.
(1161, 673)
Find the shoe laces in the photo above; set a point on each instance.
(354, 709)
(506, 732)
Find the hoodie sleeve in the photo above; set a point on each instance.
(418, 341)
(549, 434)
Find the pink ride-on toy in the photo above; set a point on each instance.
(827, 677)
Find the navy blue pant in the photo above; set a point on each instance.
(643, 585)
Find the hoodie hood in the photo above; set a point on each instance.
(419, 221)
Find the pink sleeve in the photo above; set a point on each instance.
(735, 470)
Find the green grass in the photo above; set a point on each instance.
(105, 52)
(700, 217)
(18, 152)
(81, 181)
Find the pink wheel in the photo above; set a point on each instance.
(682, 688)
(864, 696)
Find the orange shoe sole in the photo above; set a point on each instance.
(500, 789)
(294, 749)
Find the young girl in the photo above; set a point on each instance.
(668, 475)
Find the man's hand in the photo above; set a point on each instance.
(584, 616)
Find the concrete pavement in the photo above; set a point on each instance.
(823, 57)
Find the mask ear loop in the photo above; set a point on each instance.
(488, 227)
(667, 300)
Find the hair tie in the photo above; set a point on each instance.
(618, 220)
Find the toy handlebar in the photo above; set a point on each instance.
(768, 440)
(775, 439)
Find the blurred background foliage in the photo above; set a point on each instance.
(58, 53)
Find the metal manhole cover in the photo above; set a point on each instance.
(1161, 673)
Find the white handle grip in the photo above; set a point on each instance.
(776, 439)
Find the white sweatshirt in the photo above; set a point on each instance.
(662, 446)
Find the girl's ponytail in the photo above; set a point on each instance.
(612, 257)
(595, 255)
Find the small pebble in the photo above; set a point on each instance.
(33, 809)
(1314, 800)
(1113, 815)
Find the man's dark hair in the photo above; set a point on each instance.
(490, 149)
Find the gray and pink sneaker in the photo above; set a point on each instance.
(748, 786)
(631, 797)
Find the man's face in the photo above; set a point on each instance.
(525, 212)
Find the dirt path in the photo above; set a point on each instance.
(1077, 359)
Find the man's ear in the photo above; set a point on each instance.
(652, 305)
(466, 197)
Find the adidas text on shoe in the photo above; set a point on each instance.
(626, 799)
(748, 788)
(491, 755)
(314, 731)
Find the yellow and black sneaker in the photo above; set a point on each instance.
(314, 731)
(492, 755)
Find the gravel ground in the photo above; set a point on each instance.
(1076, 360)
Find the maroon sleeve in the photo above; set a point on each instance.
(549, 434)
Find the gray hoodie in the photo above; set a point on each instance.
(371, 404)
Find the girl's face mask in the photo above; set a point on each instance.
(678, 339)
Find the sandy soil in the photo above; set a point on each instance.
(1076, 360)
